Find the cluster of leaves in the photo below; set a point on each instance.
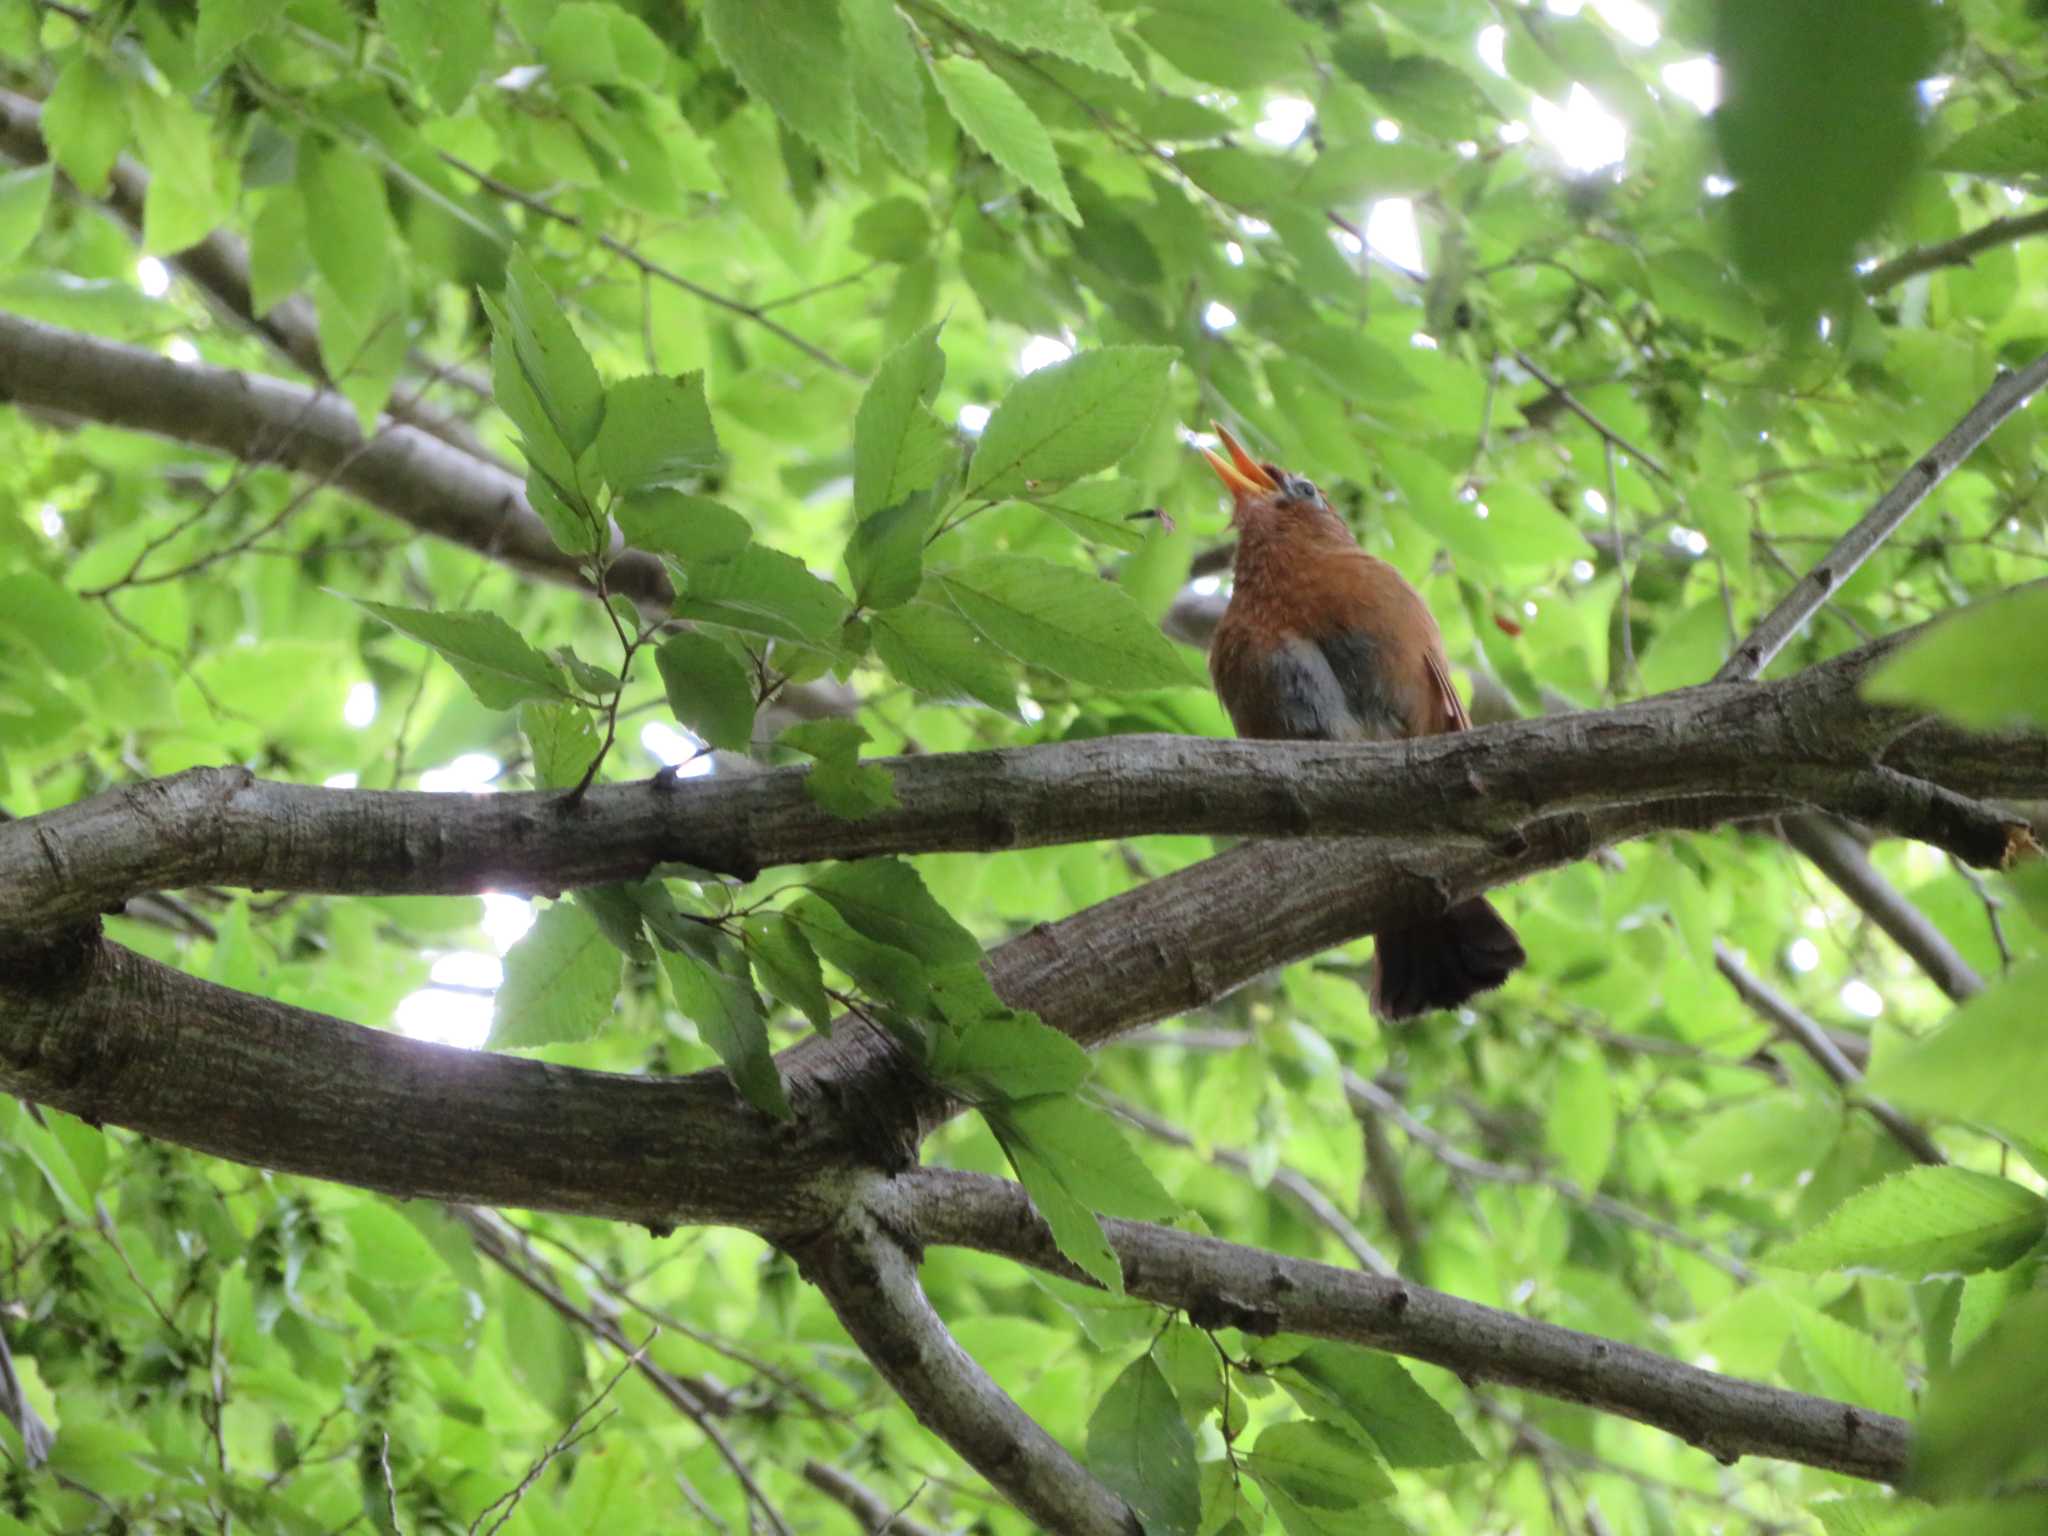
(757, 213)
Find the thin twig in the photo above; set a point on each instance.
(1803, 1032)
(1836, 854)
(571, 1435)
(1954, 253)
(1570, 402)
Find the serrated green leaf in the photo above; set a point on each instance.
(1373, 1395)
(885, 899)
(996, 118)
(727, 1014)
(939, 653)
(1069, 420)
(24, 194)
(791, 55)
(351, 239)
(899, 446)
(1986, 666)
(885, 556)
(881, 970)
(1099, 511)
(708, 690)
(1089, 1152)
(1140, 1447)
(224, 25)
(500, 668)
(1988, 1062)
(657, 431)
(443, 47)
(888, 80)
(563, 739)
(894, 229)
(1066, 621)
(1071, 29)
(694, 529)
(1866, 1515)
(1980, 1427)
(766, 592)
(1925, 1222)
(838, 781)
(787, 966)
(1317, 1465)
(1242, 44)
(1847, 1363)
(551, 359)
(2011, 145)
(1009, 1056)
(560, 979)
(85, 122)
(1075, 1230)
(52, 621)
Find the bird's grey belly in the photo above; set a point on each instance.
(1330, 691)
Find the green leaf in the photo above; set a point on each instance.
(838, 781)
(766, 592)
(1069, 420)
(656, 431)
(888, 80)
(85, 122)
(885, 899)
(790, 54)
(224, 25)
(501, 668)
(1242, 44)
(1072, 29)
(1687, 649)
(1925, 1222)
(550, 360)
(1066, 621)
(1089, 1153)
(1867, 1515)
(564, 741)
(939, 653)
(1986, 666)
(787, 966)
(1140, 1447)
(56, 623)
(1847, 1363)
(1317, 1465)
(1980, 1426)
(1988, 1063)
(1523, 529)
(885, 556)
(1009, 1056)
(560, 979)
(894, 229)
(881, 970)
(1099, 511)
(1819, 126)
(694, 529)
(2023, 1514)
(708, 690)
(351, 238)
(899, 446)
(995, 117)
(1075, 1230)
(1371, 1394)
(728, 1015)
(444, 48)
(1580, 1125)
(620, 914)
(24, 194)
(2009, 146)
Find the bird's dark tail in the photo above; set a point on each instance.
(1443, 962)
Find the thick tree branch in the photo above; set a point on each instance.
(401, 471)
(2007, 394)
(1220, 1284)
(1808, 740)
(1837, 854)
(870, 1277)
(1803, 1032)
(219, 267)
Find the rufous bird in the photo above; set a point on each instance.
(1324, 642)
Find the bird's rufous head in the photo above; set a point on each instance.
(1265, 494)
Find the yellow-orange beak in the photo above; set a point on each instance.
(1241, 474)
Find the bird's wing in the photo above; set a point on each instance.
(1440, 678)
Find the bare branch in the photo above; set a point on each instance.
(1837, 854)
(1571, 403)
(1368, 1098)
(1958, 252)
(877, 1517)
(1808, 740)
(1221, 1284)
(869, 1277)
(2007, 394)
(1803, 1032)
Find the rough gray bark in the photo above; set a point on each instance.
(1222, 1285)
(1808, 740)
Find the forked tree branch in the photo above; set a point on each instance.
(1223, 1285)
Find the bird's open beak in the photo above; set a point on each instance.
(1241, 474)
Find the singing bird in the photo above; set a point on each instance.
(1324, 642)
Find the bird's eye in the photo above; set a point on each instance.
(1298, 489)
